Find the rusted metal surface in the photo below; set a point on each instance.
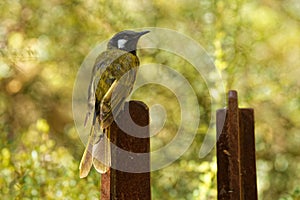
(129, 185)
(248, 163)
(236, 152)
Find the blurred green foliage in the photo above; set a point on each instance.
(255, 45)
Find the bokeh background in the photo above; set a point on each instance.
(254, 44)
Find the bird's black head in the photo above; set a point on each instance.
(125, 40)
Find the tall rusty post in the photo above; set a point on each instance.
(236, 174)
(121, 185)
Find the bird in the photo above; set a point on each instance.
(112, 81)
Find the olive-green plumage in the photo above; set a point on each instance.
(121, 70)
(113, 77)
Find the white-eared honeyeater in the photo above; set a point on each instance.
(111, 83)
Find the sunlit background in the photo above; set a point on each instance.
(254, 44)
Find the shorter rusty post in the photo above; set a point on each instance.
(236, 152)
(122, 185)
(228, 173)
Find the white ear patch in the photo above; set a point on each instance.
(121, 43)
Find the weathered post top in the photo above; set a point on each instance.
(120, 185)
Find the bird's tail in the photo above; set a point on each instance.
(87, 158)
(102, 153)
(97, 151)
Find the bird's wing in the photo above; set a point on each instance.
(103, 62)
(105, 106)
(122, 91)
(124, 70)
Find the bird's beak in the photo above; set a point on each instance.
(142, 33)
